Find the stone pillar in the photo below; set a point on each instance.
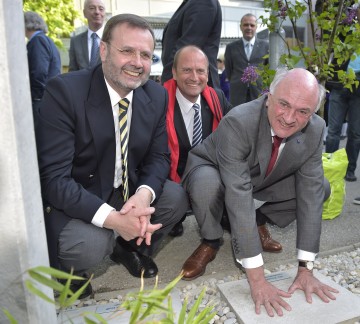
(22, 233)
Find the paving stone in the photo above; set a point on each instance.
(346, 308)
(111, 312)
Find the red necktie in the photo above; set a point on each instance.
(274, 153)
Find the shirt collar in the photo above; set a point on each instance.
(251, 41)
(34, 34)
(115, 97)
(185, 104)
(99, 32)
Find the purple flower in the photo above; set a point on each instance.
(350, 16)
(250, 74)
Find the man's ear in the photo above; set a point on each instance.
(173, 71)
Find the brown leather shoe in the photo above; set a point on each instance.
(195, 265)
(268, 244)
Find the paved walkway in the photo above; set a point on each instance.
(338, 234)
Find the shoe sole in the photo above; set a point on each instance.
(356, 202)
(271, 251)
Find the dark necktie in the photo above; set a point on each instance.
(197, 132)
(94, 50)
(123, 106)
(274, 153)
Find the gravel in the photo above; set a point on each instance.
(343, 268)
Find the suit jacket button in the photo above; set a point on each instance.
(48, 209)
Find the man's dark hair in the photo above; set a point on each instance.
(131, 20)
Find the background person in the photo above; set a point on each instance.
(84, 48)
(43, 57)
(224, 80)
(195, 22)
(237, 59)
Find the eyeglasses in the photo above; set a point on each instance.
(132, 53)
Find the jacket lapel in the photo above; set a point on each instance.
(101, 122)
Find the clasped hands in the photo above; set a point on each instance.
(133, 220)
(264, 293)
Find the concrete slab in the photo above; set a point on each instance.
(346, 308)
(111, 312)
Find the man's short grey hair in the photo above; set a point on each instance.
(34, 22)
(282, 73)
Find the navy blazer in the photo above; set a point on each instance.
(76, 147)
(195, 22)
(44, 63)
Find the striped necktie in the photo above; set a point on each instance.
(94, 50)
(197, 132)
(274, 153)
(124, 137)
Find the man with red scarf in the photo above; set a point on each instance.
(188, 87)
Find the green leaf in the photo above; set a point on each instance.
(11, 318)
(195, 308)
(45, 280)
(97, 316)
(33, 289)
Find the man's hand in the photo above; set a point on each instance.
(264, 293)
(306, 281)
(133, 220)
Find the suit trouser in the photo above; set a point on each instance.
(207, 195)
(83, 245)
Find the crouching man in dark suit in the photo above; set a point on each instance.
(264, 157)
(104, 158)
(194, 109)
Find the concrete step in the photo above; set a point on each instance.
(345, 309)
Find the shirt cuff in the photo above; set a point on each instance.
(305, 255)
(253, 262)
(101, 214)
(152, 192)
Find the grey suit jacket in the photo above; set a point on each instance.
(79, 52)
(240, 149)
(235, 64)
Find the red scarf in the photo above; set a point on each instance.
(212, 100)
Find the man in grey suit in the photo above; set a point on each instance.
(236, 61)
(231, 168)
(81, 46)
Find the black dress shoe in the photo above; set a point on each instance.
(133, 261)
(75, 285)
(350, 176)
(177, 230)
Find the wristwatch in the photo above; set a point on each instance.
(306, 264)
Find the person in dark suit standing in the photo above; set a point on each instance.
(187, 88)
(43, 57)
(104, 158)
(83, 54)
(264, 156)
(195, 22)
(249, 50)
